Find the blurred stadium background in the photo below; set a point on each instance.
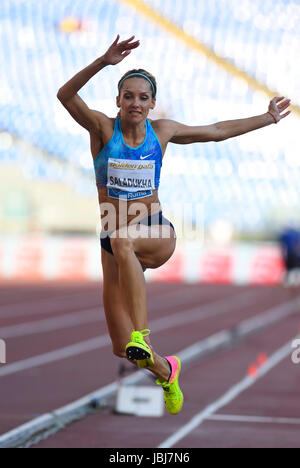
(216, 60)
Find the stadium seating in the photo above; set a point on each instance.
(247, 180)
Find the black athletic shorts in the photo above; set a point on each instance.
(152, 220)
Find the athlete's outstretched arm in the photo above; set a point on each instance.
(184, 134)
(67, 94)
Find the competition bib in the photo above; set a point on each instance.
(130, 175)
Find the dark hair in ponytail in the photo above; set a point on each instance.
(143, 72)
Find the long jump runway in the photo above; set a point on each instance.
(243, 393)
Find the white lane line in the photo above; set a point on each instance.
(91, 315)
(253, 419)
(7, 309)
(212, 309)
(73, 319)
(61, 415)
(244, 328)
(56, 323)
(65, 414)
(192, 315)
(9, 289)
(57, 355)
(228, 397)
(43, 306)
(51, 305)
(195, 314)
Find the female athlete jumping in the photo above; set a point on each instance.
(127, 153)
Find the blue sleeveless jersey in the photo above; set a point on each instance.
(129, 173)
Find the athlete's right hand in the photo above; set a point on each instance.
(118, 51)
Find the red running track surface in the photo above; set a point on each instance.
(36, 319)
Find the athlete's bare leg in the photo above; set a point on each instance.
(131, 282)
(133, 255)
(124, 288)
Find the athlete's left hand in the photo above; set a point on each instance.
(277, 106)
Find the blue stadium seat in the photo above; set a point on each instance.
(39, 58)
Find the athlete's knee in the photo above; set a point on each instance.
(121, 246)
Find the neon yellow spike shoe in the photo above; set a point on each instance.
(138, 350)
(172, 393)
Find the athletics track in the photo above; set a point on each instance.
(58, 351)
